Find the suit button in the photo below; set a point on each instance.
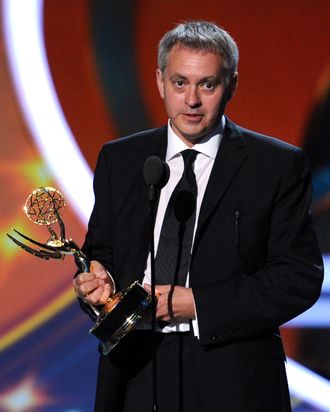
(214, 337)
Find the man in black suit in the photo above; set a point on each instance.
(254, 260)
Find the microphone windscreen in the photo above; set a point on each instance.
(156, 172)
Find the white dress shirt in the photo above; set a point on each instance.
(207, 149)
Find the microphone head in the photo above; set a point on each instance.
(156, 172)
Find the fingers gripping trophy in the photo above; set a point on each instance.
(124, 309)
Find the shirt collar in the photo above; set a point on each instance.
(208, 145)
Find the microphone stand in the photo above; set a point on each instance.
(152, 202)
(156, 174)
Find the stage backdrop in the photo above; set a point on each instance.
(77, 73)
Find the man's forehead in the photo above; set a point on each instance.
(183, 60)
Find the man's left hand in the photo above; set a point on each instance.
(175, 303)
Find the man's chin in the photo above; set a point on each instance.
(194, 138)
(191, 135)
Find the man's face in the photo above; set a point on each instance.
(193, 91)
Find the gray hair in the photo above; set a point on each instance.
(204, 36)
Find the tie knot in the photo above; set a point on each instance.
(189, 156)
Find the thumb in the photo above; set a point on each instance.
(98, 269)
(159, 289)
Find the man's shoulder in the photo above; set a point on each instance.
(137, 140)
(260, 140)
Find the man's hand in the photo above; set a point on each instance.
(175, 303)
(95, 287)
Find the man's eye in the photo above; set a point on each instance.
(179, 83)
(208, 85)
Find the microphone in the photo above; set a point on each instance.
(156, 174)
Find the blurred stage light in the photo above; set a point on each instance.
(307, 385)
(39, 102)
(318, 315)
(326, 283)
(25, 396)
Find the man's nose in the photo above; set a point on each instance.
(192, 98)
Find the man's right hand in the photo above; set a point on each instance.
(94, 287)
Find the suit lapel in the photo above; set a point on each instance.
(155, 144)
(230, 157)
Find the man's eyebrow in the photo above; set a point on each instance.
(178, 75)
(210, 78)
(203, 79)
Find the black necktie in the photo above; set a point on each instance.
(174, 247)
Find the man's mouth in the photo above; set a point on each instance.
(193, 116)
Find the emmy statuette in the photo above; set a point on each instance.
(124, 309)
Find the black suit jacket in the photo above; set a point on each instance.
(255, 261)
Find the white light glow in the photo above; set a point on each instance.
(39, 102)
(23, 397)
(307, 385)
(326, 283)
(318, 315)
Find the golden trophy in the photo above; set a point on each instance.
(124, 309)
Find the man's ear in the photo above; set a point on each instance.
(160, 82)
(232, 86)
